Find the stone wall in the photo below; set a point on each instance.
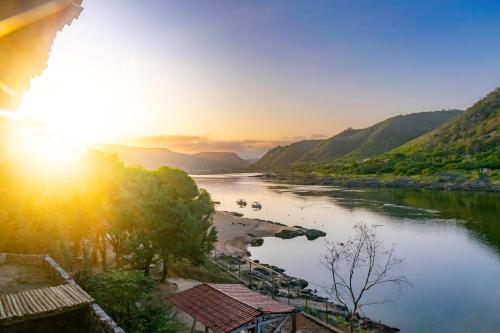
(55, 271)
(100, 322)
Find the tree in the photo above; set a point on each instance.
(161, 215)
(359, 265)
(185, 229)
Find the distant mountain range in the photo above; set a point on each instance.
(418, 143)
(357, 143)
(152, 158)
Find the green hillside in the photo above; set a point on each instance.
(471, 141)
(357, 143)
(468, 143)
(285, 156)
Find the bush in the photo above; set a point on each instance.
(127, 298)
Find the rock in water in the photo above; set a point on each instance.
(289, 234)
(312, 234)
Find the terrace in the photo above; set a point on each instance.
(37, 295)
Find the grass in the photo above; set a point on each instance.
(334, 320)
(208, 272)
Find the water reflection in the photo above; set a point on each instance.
(450, 242)
(477, 211)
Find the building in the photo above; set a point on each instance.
(231, 308)
(37, 295)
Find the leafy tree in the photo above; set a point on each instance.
(161, 215)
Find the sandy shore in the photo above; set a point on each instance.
(235, 233)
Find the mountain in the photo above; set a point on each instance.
(467, 142)
(357, 143)
(152, 158)
(287, 155)
(227, 160)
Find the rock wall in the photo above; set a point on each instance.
(100, 322)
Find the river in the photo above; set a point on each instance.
(449, 241)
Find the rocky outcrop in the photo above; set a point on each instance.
(311, 234)
(257, 242)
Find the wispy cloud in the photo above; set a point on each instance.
(193, 144)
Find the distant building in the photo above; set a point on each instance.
(484, 170)
(46, 300)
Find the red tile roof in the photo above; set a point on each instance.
(225, 307)
(255, 300)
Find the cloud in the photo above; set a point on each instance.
(249, 149)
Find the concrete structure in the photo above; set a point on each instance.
(46, 299)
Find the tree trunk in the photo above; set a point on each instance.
(104, 251)
(95, 248)
(147, 266)
(351, 322)
(165, 271)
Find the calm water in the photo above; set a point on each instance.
(450, 243)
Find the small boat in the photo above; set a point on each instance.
(256, 205)
(242, 203)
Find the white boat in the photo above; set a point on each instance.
(256, 205)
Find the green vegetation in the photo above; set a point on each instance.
(334, 320)
(465, 149)
(161, 215)
(468, 143)
(127, 297)
(357, 144)
(145, 216)
(97, 215)
(207, 272)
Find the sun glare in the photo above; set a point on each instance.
(34, 146)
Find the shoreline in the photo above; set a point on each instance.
(374, 182)
(236, 233)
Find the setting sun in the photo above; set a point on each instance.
(35, 146)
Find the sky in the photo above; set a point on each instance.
(248, 75)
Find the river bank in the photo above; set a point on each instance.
(417, 222)
(237, 233)
(446, 182)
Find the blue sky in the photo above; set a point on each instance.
(277, 70)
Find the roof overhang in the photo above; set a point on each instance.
(27, 31)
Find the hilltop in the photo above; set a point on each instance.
(463, 153)
(152, 158)
(357, 143)
(470, 141)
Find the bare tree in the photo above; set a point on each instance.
(357, 266)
